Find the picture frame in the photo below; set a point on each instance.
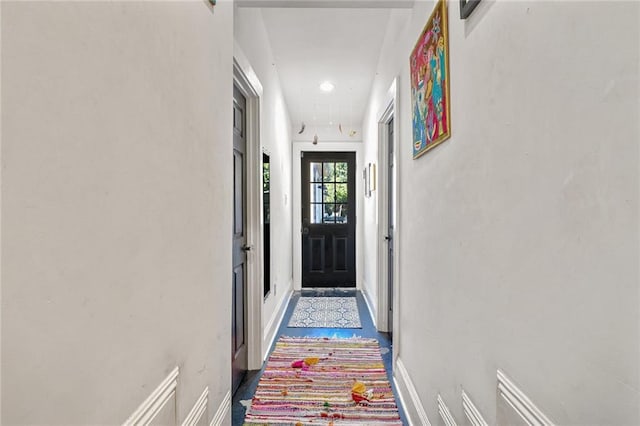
(372, 177)
(369, 176)
(430, 95)
(467, 7)
(365, 176)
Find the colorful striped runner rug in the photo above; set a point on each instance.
(311, 381)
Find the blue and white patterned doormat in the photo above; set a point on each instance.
(326, 312)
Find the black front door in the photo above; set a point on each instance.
(239, 314)
(328, 219)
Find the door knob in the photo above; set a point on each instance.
(305, 230)
(387, 238)
(246, 248)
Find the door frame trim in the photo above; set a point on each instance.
(247, 82)
(298, 147)
(382, 317)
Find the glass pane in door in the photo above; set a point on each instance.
(328, 192)
(315, 172)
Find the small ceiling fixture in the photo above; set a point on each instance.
(327, 86)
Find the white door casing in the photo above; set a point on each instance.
(390, 110)
(247, 81)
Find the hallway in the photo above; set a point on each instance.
(250, 383)
(472, 170)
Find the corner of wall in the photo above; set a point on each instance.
(371, 305)
(271, 329)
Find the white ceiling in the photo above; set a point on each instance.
(312, 45)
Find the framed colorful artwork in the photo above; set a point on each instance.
(429, 65)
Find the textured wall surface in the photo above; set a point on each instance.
(116, 121)
(251, 35)
(519, 235)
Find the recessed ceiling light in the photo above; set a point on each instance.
(327, 87)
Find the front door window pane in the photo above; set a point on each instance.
(316, 213)
(328, 172)
(315, 193)
(328, 192)
(341, 193)
(328, 214)
(341, 172)
(341, 213)
(316, 172)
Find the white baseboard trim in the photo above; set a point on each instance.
(472, 413)
(521, 403)
(150, 408)
(445, 413)
(223, 411)
(372, 309)
(409, 396)
(198, 410)
(272, 327)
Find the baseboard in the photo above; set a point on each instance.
(472, 413)
(223, 412)
(155, 403)
(271, 330)
(520, 403)
(445, 413)
(199, 409)
(409, 396)
(370, 306)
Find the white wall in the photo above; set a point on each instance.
(519, 235)
(381, 98)
(251, 36)
(116, 141)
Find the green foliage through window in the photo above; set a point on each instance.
(329, 192)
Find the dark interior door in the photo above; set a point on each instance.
(239, 315)
(328, 219)
(391, 222)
